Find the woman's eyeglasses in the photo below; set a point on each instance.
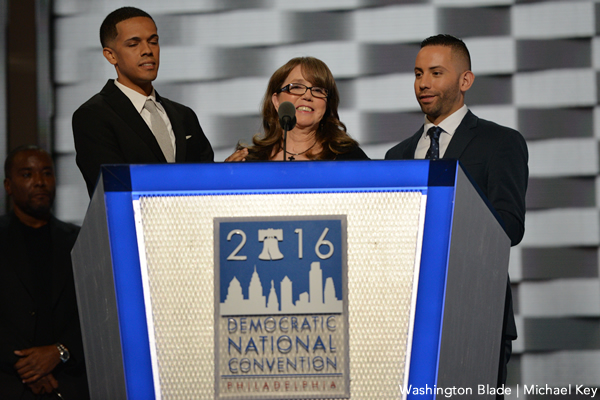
(299, 89)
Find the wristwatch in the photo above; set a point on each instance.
(64, 352)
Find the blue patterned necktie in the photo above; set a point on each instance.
(434, 148)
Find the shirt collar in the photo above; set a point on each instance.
(138, 99)
(451, 123)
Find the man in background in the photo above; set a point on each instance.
(41, 350)
(494, 156)
(128, 122)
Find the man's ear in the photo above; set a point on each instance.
(7, 187)
(275, 100)
(466, 80)
(109, 54)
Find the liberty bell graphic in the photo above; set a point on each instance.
(270, 237)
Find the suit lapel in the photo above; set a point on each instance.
(121, 105)
(412, 147)
(178, 128)
(461, 138)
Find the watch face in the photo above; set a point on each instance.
(64, 353)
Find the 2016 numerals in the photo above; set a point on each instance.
(322, 241)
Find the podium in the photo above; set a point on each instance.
(357, 279)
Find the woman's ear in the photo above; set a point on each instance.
(275, 100)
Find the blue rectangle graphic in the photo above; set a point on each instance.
(281, 266)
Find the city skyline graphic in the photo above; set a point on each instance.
(316, 300)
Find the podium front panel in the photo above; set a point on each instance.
(354, 328)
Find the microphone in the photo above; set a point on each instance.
(287, 115)
(287, 120)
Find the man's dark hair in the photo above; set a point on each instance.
(8, 163)
(457, 45)
(108, 29)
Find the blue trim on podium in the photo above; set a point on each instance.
(427, 333)
(259, 176)
(119, 178)
(129, 292)
(124, 183)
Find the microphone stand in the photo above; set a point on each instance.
(285, 130)
(287, 121)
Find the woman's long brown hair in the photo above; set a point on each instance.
(331, 133)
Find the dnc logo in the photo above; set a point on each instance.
(281, 266)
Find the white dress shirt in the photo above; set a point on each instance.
(449, 125)
(139, 101)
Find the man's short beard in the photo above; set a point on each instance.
(42, 211)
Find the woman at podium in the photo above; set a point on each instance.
(304, 91)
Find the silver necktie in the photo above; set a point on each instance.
(160, 131)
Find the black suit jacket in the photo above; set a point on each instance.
(496, 159)
(108, 130)
(17, 309)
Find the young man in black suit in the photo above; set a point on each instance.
(41, 350)
(494, 156)
(128, 122)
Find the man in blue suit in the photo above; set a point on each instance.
(493, 155)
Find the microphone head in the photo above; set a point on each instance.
(287, 115)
